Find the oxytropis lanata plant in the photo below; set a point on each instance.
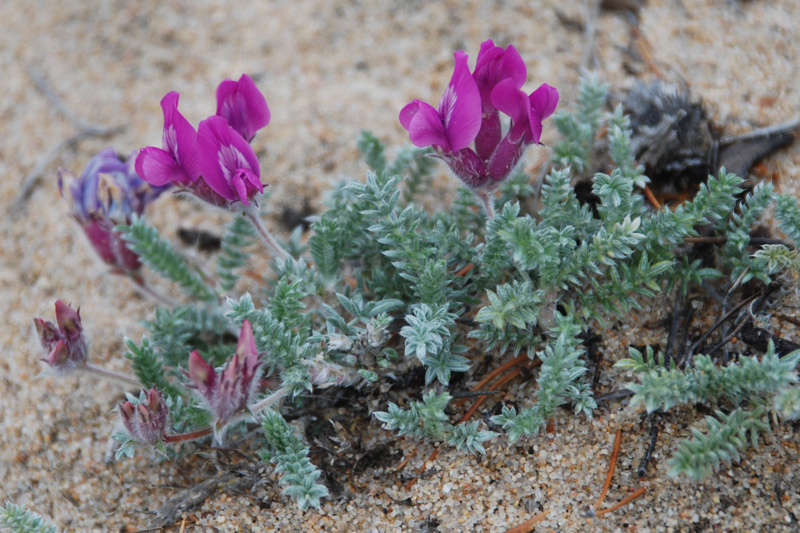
(382, 288)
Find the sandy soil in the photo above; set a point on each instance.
(328, 70)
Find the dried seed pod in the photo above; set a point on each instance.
(672, 136)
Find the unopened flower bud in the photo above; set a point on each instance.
(48, 333)
(68, 319)
(64, 344)
(147, 420)
(228, 393)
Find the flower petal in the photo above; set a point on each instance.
(243, 106)
(179, 137)
(158, 167)
(544, 101)
(513, 102)
(223, 153)
(460, 106)
(202, 374)
(425, 127)
(495, 64)
(71, 190)
(407, 114)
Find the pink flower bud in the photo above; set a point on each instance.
(68, 319)
(147, 421)
(228, 393)
(64, 345)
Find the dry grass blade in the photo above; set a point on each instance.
(611, 468)
(527, 526)
(625, 501)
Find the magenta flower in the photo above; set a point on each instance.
(228, 393)
(63, 343)
(214, 163)
(494, 64)
(469, 112)
(527, 114)
(108, 193)
(243, 106)
(176, 161)
(455, 123)
(227, 162)
(451, 127)
(146, 421)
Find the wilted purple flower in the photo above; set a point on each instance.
(146, 421)
(108, 193)
(469, 112)
(215, 162)
(228, 393)
(243, 106)
(63, 343)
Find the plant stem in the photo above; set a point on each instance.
(194, 435)
(487, 197)
(125, 378)
(143, 288)
(270, 242)
(269, 400)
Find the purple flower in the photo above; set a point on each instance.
(63, 343)
(243, 106)
(227, 162)
(469, 112)
(108, 193)
(146, 421)
(176, 161)
(451, 127)
(526, 112)
(454, 124)
(228, 393)
(494, 64)
(215, 162)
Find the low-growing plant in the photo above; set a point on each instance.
(381, 286)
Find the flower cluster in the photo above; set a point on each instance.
(108, 193)
(63, 342)
(146, 421)
(215, 162)
(469, 112)
(228, 393)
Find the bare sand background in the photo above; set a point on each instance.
(329, 69)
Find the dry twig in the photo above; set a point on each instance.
(85, 129)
